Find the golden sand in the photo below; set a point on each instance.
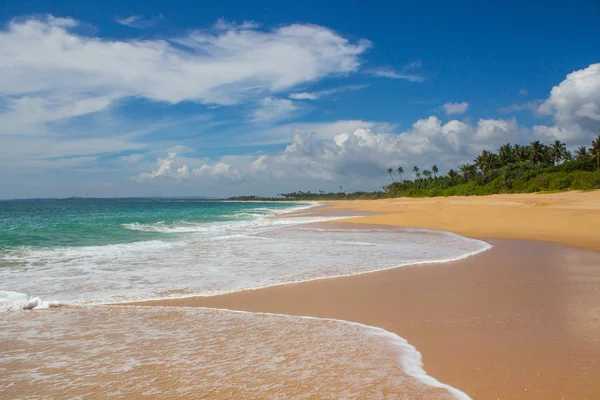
(520, 321)
(571, 218)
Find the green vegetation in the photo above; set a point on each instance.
(512, 169)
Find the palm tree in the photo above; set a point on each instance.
(435, 170)
(416, 171)
(467, 171)
(595, 151)
(486, 161)
(537, 152)
(568, 155)
(452, 174)
(389, 171)
(427, 173)
(558, 151)
(581, 152)
(521, 152)
(400, 171)
(481, 162)
(505, 154)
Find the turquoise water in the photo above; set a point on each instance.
(98, 222)
(89, 251)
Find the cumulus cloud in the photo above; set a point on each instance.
(574, 105)
(177, 168)
(360, 153)
(456, 108)
(218, 170)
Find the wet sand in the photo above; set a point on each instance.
(520, 321)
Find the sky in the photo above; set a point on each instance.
(197, 98)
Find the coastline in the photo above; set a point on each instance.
(570, 218)
(489, 330)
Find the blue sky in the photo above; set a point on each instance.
(222, 98)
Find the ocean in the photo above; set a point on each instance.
(94, 252)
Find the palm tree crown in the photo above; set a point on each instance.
(452, 174)
(581, 152)
(467, 171)
(537, 152)
(435, 170)
(558, 151)
(505, 154)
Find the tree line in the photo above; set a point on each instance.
(510, 169)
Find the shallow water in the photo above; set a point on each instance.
(101, 351)
(149, 352)
(207, 258)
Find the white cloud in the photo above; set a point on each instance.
(456, 108)
(360, 154)
(281, 134)
(304, 96)
(324, 93)
(164, 167)
(575, 107)
(226, 65)
(273, 109)
(139, 22)
(219, 170)
(52, 75)
(386, 72)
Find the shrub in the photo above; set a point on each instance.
(584, 180)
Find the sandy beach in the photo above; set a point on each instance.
(519, 321)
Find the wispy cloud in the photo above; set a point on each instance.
(273, 109)
(456, 108)
(528, 106)
(139, 22)
(404, 73)
(325, 93)
(386, 72)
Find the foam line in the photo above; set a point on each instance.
(410, 359)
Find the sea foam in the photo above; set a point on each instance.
(135, 352)
(221, 257)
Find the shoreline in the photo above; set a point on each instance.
(360, 298)
(570, 218)
(485, 329)
(332, 223)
